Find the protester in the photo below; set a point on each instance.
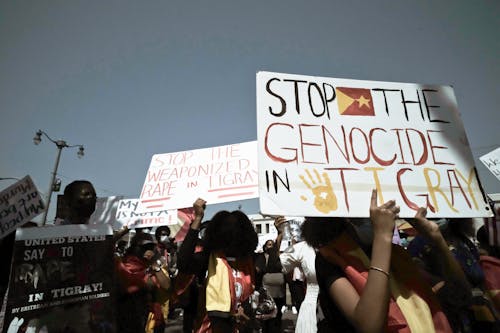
(80, 198)
(167, 248)
(377, 287)
(270, 276)
(227, 263)
(140, 277)
(301, 255)
(296, 281)
(458, 233)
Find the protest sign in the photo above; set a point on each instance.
(62, 280)
(325, 143)
(129, 213)
(492, 162)
(217, 174)
(104, 213)
(105, 210)
(19, 203)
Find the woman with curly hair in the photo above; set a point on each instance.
(226, 260)
(376, 287)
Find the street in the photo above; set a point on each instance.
(288, 323)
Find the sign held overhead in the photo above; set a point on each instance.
(325, 143)
(217, 174)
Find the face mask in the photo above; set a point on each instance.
(164, 239)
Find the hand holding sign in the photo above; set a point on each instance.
(15, 324)
(199, 212)
(425, 227)
(383, 217)
(324, 199)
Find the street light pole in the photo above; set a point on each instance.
(60, 145)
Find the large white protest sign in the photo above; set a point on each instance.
(19, 203)
(492, 162)
(325, 143)
(218, 174)
(129, 213)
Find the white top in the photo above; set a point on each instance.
(304, 256)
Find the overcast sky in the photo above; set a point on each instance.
(129, 79)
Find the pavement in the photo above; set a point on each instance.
(288, 323)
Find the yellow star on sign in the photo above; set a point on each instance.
(363, 101)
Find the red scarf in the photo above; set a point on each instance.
(132, 273)
(491, 269)
(346, 253)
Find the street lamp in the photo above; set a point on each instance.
(54, 185)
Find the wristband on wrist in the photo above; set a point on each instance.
(373, 268)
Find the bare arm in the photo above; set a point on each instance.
(188, 261)
(279, 223)
(163, 278)
(368, 312)
(450, 268)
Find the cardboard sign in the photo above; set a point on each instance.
(492, 162)
(218, 174)
(128, 213)
(105, 210)
(325, 143)
(61, 280)
(19, 203)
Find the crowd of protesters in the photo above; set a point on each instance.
(345, 275)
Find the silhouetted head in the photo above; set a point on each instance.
(319, 231)
(81, 198)
(268, 245)
(232, 233)
(462, 225)
(162, 233)
(143, 246)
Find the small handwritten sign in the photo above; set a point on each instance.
(217, 174)
(492, 162)
(129, 213)
(19, 203)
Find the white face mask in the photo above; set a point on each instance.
(164, 239)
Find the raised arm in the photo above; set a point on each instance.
(450, 268)
(187, 261)
(279, 223)
(368, 312)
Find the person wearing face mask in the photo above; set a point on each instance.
(80, 198)
(140, 277)
(270, 276)
(165, 245)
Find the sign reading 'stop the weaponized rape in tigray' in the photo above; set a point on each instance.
(19, 203)
(62, 280)
(325, 143)
(218, 174)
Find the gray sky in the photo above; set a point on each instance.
(129, 79)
